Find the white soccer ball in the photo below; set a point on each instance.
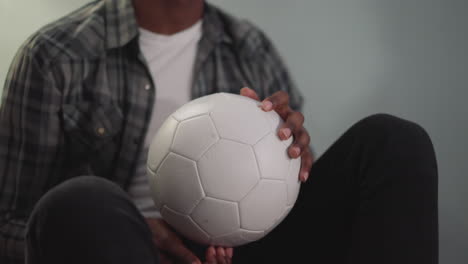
(218, 172)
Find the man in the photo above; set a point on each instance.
(87, 86)
(85, 94)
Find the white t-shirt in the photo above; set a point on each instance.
(171, 60)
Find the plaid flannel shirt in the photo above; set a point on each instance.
(78, 99)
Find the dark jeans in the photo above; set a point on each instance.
(371, 198)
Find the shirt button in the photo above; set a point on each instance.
(101, 131)
(147, 87)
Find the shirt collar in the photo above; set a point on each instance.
(121, 25)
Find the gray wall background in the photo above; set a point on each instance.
(351, 58)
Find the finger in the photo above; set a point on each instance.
(301, 142)
(210, 255)
(210, 262)
(230, 252)
(246, 91)
(179, 251)
(306, 165)
(221, 255)
(294, 121)
(220, 251)
(221, 260)
(279, 102)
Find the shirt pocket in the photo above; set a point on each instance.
(92, 132)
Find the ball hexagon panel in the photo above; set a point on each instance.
(155, 189)
(264, 205)
(274, 120)
(272, 157)
(182, 189)
(246, 124)
(192, 147)
(292, 180)
(249, 235)
(185, 225)
(285, 214)
(161, 143)
(228, 170)
(224, 221)
(288, 142)
(239, 237)
(199, 106)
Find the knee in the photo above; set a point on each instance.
(80, 195)
(394, 140)
(388, 123)
(398, 136)
(392, 128)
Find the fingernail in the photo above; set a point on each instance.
(285, 133)
(267, 105)
(296, 151)
(305, 176)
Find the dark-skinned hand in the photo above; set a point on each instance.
(293, 126)
(173, 251)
